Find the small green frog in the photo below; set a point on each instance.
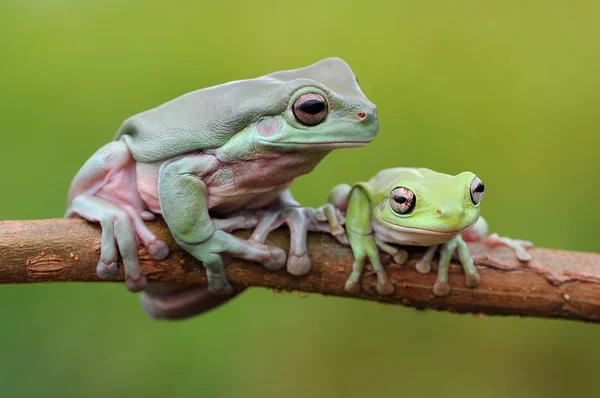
(215, 160)
(414, 207)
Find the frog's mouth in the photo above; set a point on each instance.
(324, 144)
(422, 231)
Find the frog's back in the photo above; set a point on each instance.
(209, 117)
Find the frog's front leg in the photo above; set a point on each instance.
(241, 220)
(363, 244)
(363, 248)
(399, 255)
(424, 264)
(183, 198)
(472, 278)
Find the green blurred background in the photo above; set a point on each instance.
(509, 90)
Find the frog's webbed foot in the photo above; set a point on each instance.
(122, 228)
(298, 220)
(329, 218)
(519, 246)
(472, 278)
(479, 233)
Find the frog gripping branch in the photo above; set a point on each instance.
(222, 159)
(213, 161)
(414, 207)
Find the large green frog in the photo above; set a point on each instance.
(207, 162)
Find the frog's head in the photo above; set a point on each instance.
(320, 106)
(433, 203)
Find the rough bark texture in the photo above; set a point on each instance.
(556, 283)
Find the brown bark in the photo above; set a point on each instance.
(556, 283)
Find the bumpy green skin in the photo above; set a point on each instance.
(219, 159)
(443, 213)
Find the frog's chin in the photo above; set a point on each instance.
(392, 233)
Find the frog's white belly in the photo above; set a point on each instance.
(409, 236)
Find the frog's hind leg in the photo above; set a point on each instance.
(100, 193)
(479, 233)
(180, 301)
(118, 237)
(519, 246)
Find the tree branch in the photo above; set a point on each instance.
(556, 283)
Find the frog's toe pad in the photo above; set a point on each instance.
(472, 280)
(337, 230)
(441, 289)
(136, 284)
(385, 288)
(107, 271)
(523, 256)
(276, 259)
(158, 250)
(343, 239)
(352, 287)
(298, 264)
(401, 257)
(424, 267)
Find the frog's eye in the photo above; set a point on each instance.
(477, 190)
(402, 200)
(310, 109)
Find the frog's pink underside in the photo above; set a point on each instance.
(231, 186)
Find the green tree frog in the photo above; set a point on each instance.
(207, 162)
(413, 207)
